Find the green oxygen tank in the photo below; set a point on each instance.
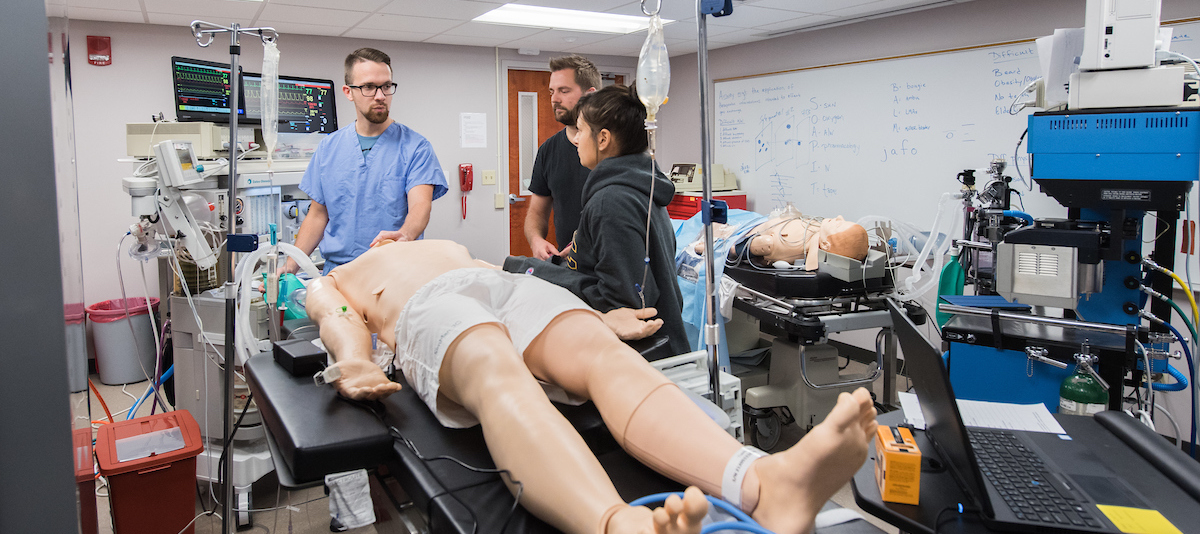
(1084, 392)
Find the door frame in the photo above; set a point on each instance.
(502, 121)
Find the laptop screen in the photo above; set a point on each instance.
(943, 424)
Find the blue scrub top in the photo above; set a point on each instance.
(367, 193)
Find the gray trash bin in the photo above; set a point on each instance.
(123, 356)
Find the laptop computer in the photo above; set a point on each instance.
(1012, 481)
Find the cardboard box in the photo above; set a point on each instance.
(897, 465)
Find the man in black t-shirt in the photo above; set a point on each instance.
(558, 177)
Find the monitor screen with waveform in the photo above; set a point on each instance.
(202, 91)
(306, 105)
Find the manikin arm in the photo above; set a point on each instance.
(348, 340)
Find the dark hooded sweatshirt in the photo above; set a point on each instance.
(605, 263)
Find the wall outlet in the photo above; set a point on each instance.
(489, 178)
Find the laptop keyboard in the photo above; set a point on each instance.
(1021, 478)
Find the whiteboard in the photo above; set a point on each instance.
(883, 137)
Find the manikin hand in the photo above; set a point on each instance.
(629, 324)
(389, 236)
(543, 249)
(363, 380)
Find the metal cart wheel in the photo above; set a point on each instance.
(243, 517)
(765, 430)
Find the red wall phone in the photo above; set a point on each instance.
(466, 180)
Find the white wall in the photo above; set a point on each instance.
(971, 23)
(437, 83)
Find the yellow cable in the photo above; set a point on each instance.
(1186, 290)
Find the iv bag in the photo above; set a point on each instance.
(653, 69)
(268, 96)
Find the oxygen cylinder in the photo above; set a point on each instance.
(1082, 393)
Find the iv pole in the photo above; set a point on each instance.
(201, 29)
(711, 329)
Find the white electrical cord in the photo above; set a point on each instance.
(1174, 425)
(1145, 412)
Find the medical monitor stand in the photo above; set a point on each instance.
(200, 29)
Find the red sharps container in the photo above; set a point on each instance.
(150, 463)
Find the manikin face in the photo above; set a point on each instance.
(564, 94)
(586, 143)
(375, 108)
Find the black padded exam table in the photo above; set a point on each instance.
(313, 432)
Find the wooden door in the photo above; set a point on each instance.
(521, 83)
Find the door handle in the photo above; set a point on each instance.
(513, 199)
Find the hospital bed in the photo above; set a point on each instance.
(313, 432)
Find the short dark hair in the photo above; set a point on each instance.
(616, 108)
(586, 75)
(365, 54)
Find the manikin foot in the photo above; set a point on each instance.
(796, 483)
(676, 516)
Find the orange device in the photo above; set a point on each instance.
(897, 465)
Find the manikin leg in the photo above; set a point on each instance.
(662, 428)
(563, 483)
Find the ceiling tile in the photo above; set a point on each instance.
(795, 24)
(366, 6)
(387, 35)
(621, 45)
(808, 6)
(428, 26)
(311, 15)
(558, 39)
(122, 5)
(686, 29)
(864, 9)
(498, 31)
(107, 15)
(171, 19)
(215, 11)
(669, 10)
(286, 28)
(489, 42)
(589, 5)
(442, 9)
(752, 17)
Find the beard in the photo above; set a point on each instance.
(376, 116)
(566, 116)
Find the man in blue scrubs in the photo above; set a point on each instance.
(375, 179)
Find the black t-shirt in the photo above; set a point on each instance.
(558, 174)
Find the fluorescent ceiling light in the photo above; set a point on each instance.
(564, 19)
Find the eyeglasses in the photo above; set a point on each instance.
(368, 90)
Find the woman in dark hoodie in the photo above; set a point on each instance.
(610, 263)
